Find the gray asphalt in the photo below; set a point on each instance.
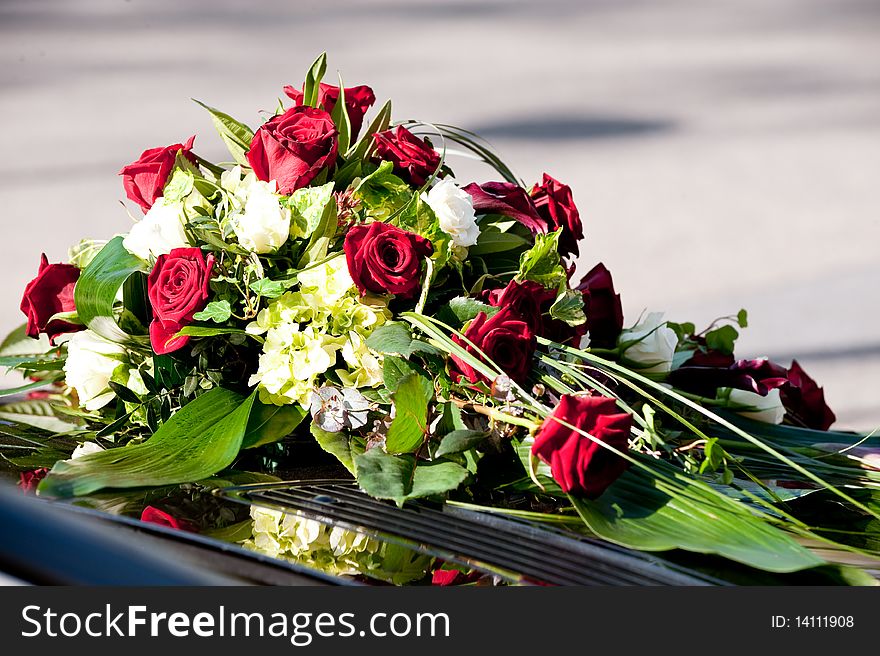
(723, 154)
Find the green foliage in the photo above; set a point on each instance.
(338, 444)
(569, 307)
(399, 478)
(672, 510)
(199, 440)
(235, 134)
(392, 338)
(315, 74)
(462, 309)
(459, 440)
(268, 288)
(216, 311)
(722, 339)
(341, 119)
(541, 263)
(98, 285)
(270, 423)
(308, 206)
(395, 369)
(410, 424)
(383, 193)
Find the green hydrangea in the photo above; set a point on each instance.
(332, 549)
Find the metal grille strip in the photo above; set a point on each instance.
(517, 550)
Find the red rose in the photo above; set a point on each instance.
(602, 307)
(505, 338)
(700, 374)
(580, 465)
(528, 299)
(294, 148)
(556, 206)
(508, 199)
(153, 515)
(804, 400)
(145, 179)
(357, 101)
(383, 259)
(49, 293)
(414, 159)
(29, 480)
(178, 288)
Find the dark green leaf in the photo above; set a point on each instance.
(541, 262)
(492, 241)
(742, 318)
(392, 338)
(124, 393)
(722, 339)
(397, 477)
(341, 119)
(394, 369)
(459, 440)
(198, 441)
(270, 423)
(462, 309)
(98, 285)
(313, 80)
(236, 135)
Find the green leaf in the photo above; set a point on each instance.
(569, 307)
(179, 186)
(123, 392)
(397, 477)
(410, 423)
(541, 262)
(458, 441)
(268, 288)
(201, 439)
(341, 119)
(319, 240)
(395, 369)
(742, 318)
(24, 388)
(647, 512)
(270, 423)
(392, 338)
(18, 343)
(217, 311)
(313, 80)
(462, 309)
(337, 444)
(97, 287)
(722, 339)
(236, 135)
(383, 193)
(211, 331)
(492, 241)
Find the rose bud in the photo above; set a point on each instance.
(145, 179)
(383, 259)
(177, 288)
(50, 293)
(649, 345)
(357, 101)
(706, 371)
(504, 338)
(29, 481)
(556, 206)
(508, 199)
(580, 465)
(602, 307)
(414, 159)
(804, 400)
(294, 148)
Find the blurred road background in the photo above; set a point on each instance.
(723, 154)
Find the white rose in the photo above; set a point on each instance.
(84, 449)
(262, 225)
(160, 231)
(768, 409)
(455, 210)
(655, 346)
(91, 361)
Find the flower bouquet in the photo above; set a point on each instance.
(335, 283)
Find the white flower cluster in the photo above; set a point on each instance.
(260, 221)
(293, 537)
(454, 209)
(305, 329)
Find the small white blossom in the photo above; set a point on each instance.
(160, 231)
(455, 211)
(655, 346)
(91, 361)
(259, 220)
